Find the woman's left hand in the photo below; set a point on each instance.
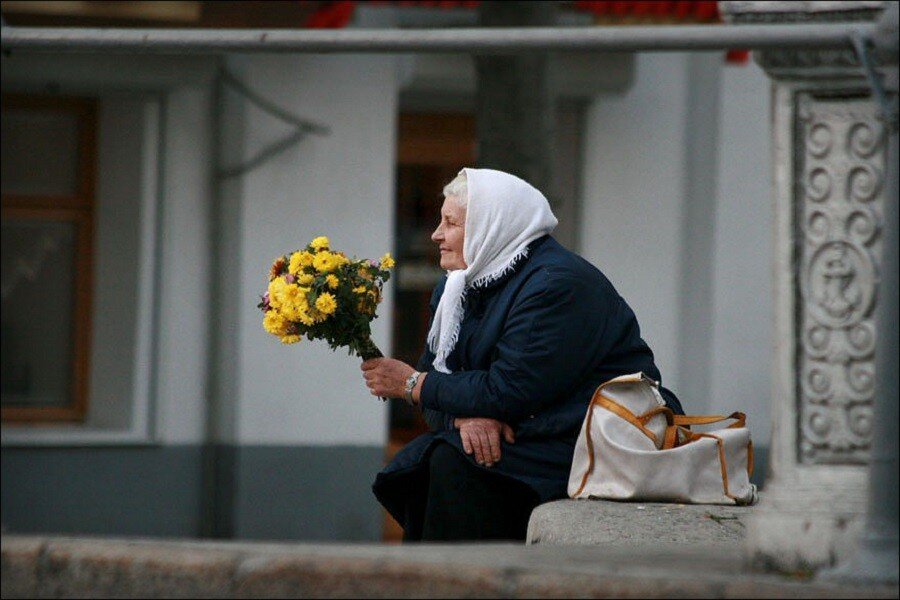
(386, 377)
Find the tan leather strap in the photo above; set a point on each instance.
(722, 466)
(659, 410)
(749, 458)
(617, 409)
(590, 444)
(740, 419)
(671, 438)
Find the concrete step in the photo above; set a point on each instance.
(635, 524)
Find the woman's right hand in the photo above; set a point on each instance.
(482, 436)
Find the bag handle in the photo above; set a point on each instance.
(720, 446)
(619, 410)
(740, 419)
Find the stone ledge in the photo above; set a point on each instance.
(57, 567)
(608, 523)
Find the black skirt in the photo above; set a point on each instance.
(447, 498)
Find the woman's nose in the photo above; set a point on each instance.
(436, 236)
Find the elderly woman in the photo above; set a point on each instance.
(522, 333)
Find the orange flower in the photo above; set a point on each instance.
(277, 268)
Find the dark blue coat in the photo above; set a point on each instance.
(533, 346)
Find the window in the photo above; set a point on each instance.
(47, 185)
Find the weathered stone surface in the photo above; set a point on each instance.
(782, 587)
(96, 568)
(540, 585)
(353, 577)
(18, 574)
(133, 569)
(608, 523)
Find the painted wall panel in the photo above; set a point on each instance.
(184, 294)
(340, 185)
(744, 311)
(633, 196)
(105, 491)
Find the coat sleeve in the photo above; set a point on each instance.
(552, 338)
(437, 420)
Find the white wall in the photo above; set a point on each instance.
(340, 185)
(744, 315)
(633, 195)
(184, 295)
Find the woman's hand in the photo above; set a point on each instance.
(386, 377)
(482, 436)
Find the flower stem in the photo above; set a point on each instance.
(366, 349)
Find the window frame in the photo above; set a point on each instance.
(77, 208)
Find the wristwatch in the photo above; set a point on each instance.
(411, 382)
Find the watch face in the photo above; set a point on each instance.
(411, 381)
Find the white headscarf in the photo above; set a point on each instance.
(504, 215)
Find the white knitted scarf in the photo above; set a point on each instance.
(504, 215)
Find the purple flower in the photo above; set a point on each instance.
(374, 263)
(290, 278)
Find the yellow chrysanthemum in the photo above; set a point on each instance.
(332, 281)
(306, 258)
(387, 262)
(325, 262)
(275, 324)
(290, 338)
(360, 289)
(306, 318)
(326, 304)
(294, 302)
(295, 267)
(340, 258)
(277, 288)
(305, 279)
(320, 243)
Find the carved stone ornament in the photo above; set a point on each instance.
(840, 175)
(805, 63)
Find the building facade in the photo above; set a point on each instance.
(196, 421)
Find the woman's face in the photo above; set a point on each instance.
(450, 234)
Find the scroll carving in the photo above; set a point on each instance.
(840, 174)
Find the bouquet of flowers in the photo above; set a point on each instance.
(321, 294)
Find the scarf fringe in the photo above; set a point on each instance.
(507, 268)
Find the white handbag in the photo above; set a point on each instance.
(633, 447)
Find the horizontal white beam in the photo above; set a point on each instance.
(472, 40)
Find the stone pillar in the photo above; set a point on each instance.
(829, 157)
(515, 107)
